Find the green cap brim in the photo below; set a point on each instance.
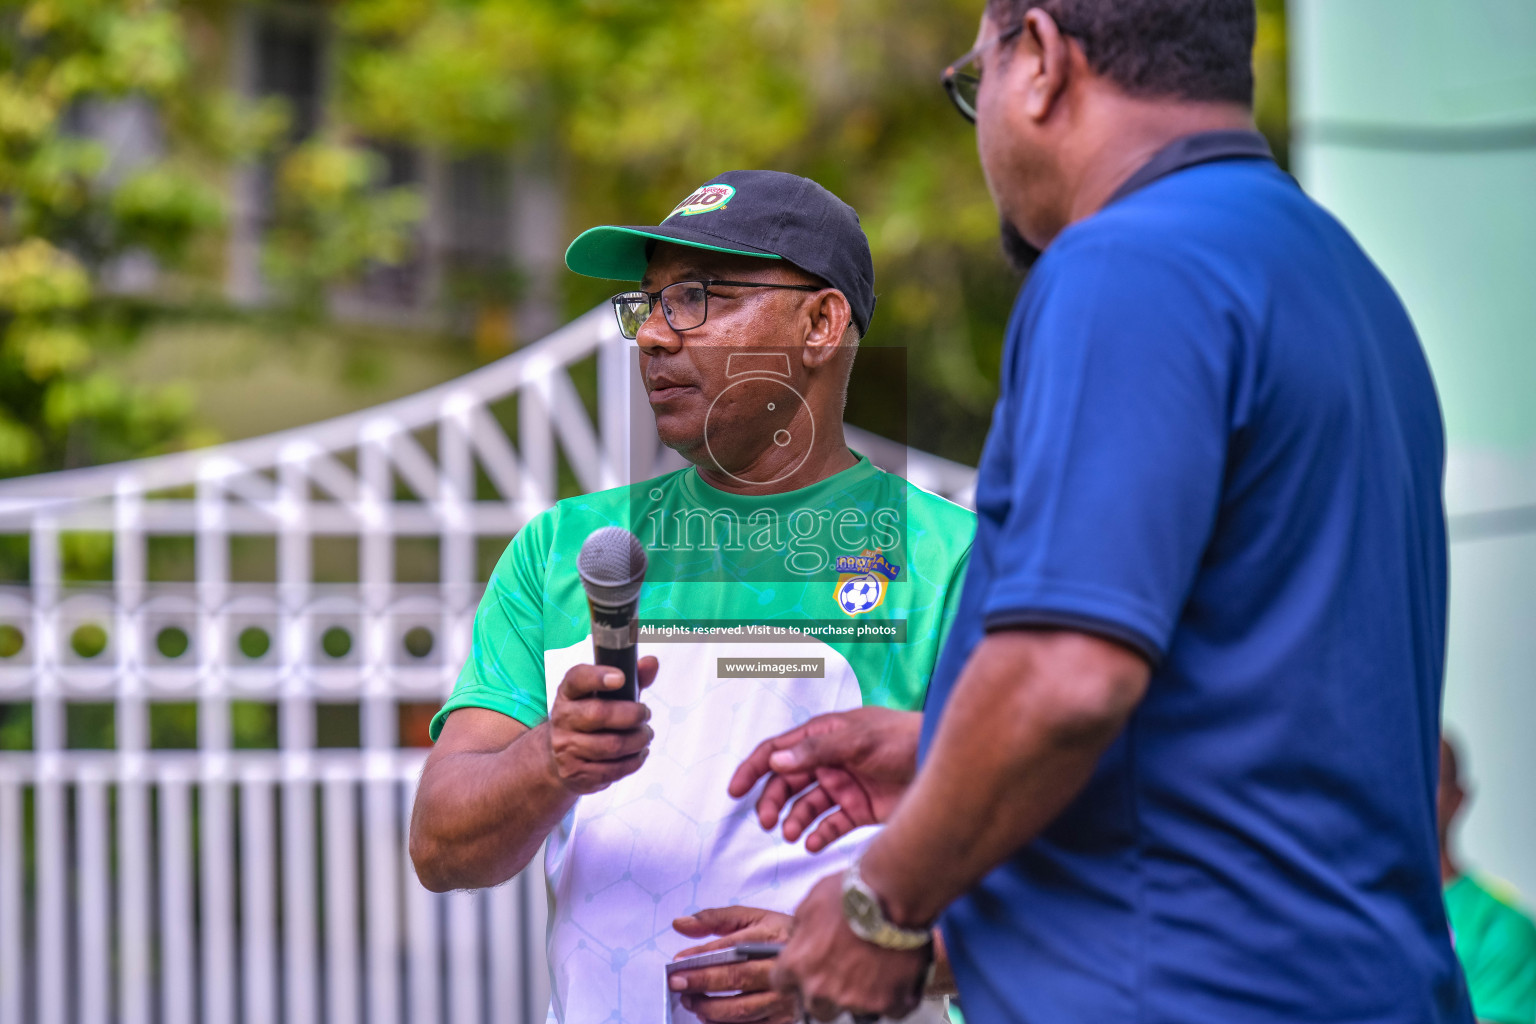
(618, 253)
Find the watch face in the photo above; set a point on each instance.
(859, 907)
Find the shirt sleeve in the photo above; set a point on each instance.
(505, 670)
(952, 591)
(1114, 422)
(1503, 977)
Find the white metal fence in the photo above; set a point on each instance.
(225, 885)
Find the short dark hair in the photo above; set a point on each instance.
(1200, 50)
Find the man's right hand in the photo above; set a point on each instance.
(859, 762)
(492, 788)
(593, 743)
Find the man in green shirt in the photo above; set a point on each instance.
(1495, 941)
(788, 578)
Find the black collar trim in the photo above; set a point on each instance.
(1193, 150)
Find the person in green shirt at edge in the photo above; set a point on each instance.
(753, 295)
(1494, 939)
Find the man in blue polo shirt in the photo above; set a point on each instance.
(1179, 756)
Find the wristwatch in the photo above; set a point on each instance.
(866, 917)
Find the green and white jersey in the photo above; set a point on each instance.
(763, 612)
(1496, 943)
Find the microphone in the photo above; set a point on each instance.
(612, 566)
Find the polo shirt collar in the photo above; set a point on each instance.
(1192, 150)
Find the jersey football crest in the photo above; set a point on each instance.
(862, 581)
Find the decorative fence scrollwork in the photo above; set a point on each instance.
(222, 884)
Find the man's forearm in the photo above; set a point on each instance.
(481, 816)
(1019, 738)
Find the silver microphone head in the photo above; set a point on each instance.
(612, 566)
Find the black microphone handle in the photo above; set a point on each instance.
(614, 631)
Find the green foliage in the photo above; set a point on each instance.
(172, 725)
(65, 215)
(72, 222)
(332, 217)
(16, 727)
(160, 208)
(86, 555)
(253, 725)
(625, 104)
(90, 725)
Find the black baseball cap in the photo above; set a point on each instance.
(769, 214)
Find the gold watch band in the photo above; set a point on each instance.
(865, 914)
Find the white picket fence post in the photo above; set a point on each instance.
(234, 886)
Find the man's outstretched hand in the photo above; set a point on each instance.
(855, 763)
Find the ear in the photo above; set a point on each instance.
(1045, 59)
(828, 316)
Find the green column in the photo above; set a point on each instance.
(1415, 123)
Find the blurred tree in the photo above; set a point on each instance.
(66, 213)
(631, 104)
(1271, 102)
(625, 105)
(331, 220)
(97, 240)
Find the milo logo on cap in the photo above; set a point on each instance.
(708, 198)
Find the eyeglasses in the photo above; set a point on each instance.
(963, 86)
(685, 304)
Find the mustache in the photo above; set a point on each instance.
(669, 374)
(1017, 250)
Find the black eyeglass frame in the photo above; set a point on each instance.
(654, 298)
(953, 76)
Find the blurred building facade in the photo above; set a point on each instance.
(1415, 123)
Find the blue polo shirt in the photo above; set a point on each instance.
(1218, 443)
